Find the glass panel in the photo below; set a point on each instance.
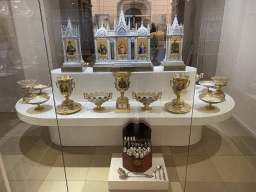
(89, 136)
(76, 49)
(28, 157)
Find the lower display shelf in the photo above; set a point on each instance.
(137, 183)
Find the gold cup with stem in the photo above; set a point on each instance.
(122, 84)
(27, 84)
(66, 85)
(220, 82)
(178, 84)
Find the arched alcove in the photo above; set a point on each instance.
(136, 10)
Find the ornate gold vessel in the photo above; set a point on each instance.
(220, 82)
(27, 84)
(179, 83)
(146, 99)
(207, 84)
(211, 99)
(98, 99)
(40, 87)
(122, 84)
(38, 100)
(66, 85)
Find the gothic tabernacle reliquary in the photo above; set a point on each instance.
(123, 48)
(174, 43)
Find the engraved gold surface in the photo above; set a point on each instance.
(32, 101)
(122, 84)
(98, 99)
(210, 107)
(146, 99)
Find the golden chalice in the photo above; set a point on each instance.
(146, 99)
(66, 85)
(27, 84)
(220, 82)
(98, 99)
(178, 84)
(122, 84)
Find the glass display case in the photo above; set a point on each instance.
(103, 95)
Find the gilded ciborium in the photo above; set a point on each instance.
(220, 82)
(146, 99)
(66, 85)
(98, 99)
(178, 84)
(122, 84)
(27, 84)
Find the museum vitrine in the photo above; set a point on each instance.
(103, 95)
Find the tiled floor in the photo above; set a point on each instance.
(223, 161)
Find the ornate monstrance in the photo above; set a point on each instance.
(174, 43)
(73, 60)
(123, 48)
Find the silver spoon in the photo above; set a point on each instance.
(163, 172)
(123, 174)
(158, 167)
(155, 173)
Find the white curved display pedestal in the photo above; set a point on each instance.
(90, 128)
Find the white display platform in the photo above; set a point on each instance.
(90, 128)
(137, 183)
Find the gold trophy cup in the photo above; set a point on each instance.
(179, 83)
(66, 85)
(122, 84)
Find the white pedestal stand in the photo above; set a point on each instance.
(137, 183)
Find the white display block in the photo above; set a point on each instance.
(137, 183)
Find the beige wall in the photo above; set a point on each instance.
(237, 58)
(157, 7)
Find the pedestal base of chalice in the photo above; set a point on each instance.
(178, 84)
(122, 84)
(66, 85)
(122, 105)
(177, 108)
(65, 109)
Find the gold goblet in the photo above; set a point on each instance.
(66, 85)
(122, 84)
(179, 83)
(27, 84)
(146, 99)
(220, 82)
(98, 99)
